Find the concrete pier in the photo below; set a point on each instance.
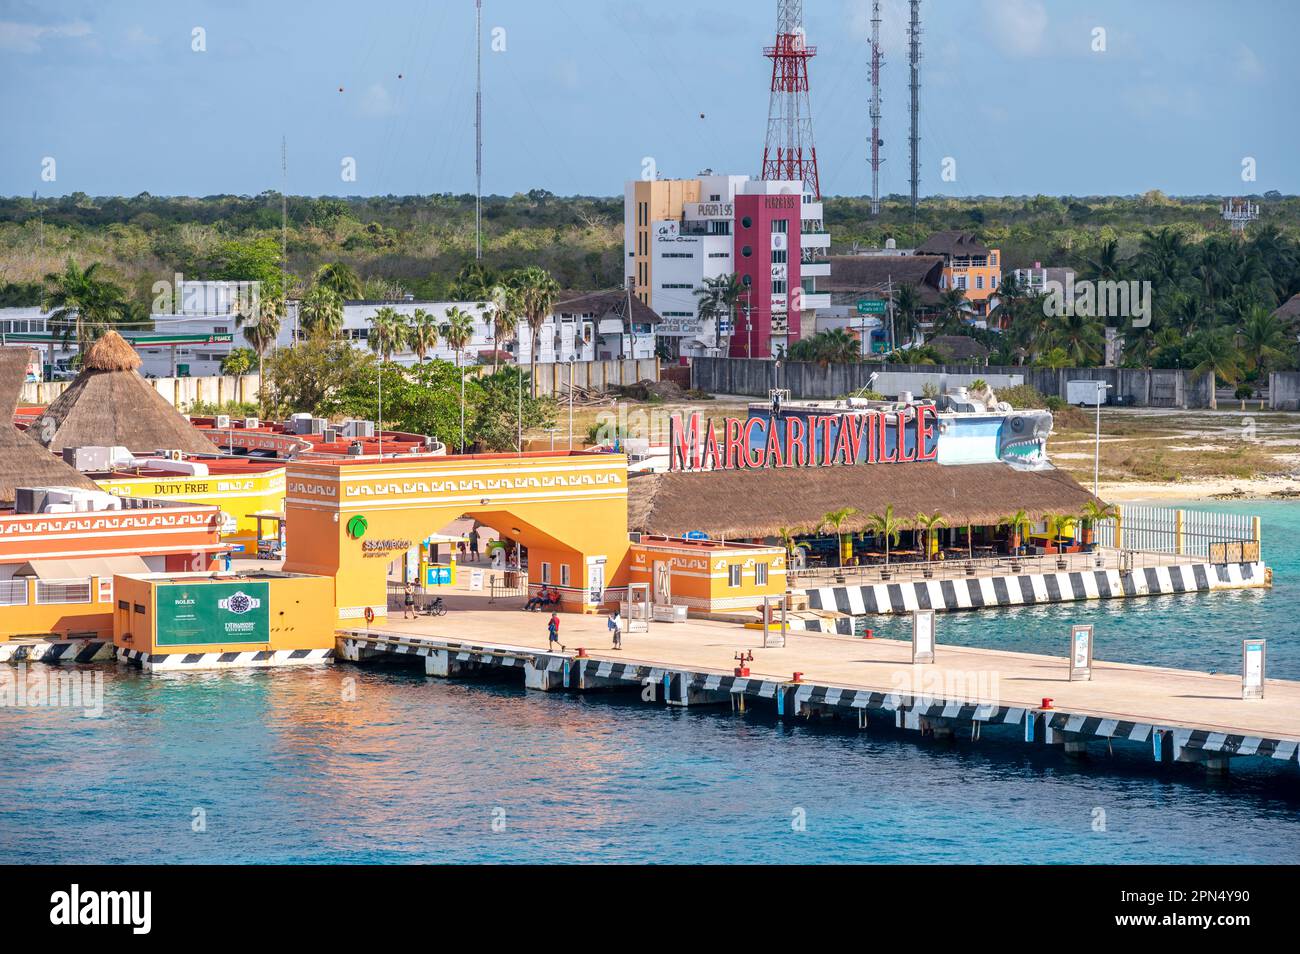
(1173, 715)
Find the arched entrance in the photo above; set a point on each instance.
(349, 519)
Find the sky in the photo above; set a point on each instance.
(1018, 97)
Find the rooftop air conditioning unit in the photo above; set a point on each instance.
(332, 434)
(318, 425)
(29, 499)
(223, 421)
(171, 454)
(90, 458)
(359, 428)
(251, 423)
(355, 449)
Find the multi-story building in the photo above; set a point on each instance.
(968, 265)
(702, 235)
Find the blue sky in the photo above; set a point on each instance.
(583, 90)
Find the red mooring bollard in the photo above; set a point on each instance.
(798, 677)
(582, 653)
(868, 633)
(1047, 703)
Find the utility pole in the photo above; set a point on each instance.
(914, 50)
(876, 60)
(478, 130)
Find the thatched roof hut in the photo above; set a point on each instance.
(743, 504)
(23, 462)
(109, 404)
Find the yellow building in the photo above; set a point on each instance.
(647, 201)
(208, 620)
(708, 576)
(350, 519)
(239, 488)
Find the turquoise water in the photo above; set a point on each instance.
(354, 764)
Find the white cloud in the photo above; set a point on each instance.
(1018, 27)
(377, 101)
(1248, 65)
(27, 37)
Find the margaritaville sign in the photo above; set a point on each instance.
(816, 440)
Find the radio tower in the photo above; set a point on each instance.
(789, 152)
(876, 60)
(914, 48)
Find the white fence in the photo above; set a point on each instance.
(1170, 530)
(179, 392)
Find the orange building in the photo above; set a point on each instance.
(708, 576)
(58, 558)
(968, 265)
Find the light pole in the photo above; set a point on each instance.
(571, 357)
(1096, 457)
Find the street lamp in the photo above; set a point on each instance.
(1096, 457)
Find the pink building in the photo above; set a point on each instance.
(767, 253)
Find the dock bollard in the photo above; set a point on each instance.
(582, 653)
(868, 633)
(798, 677)
(1047, 703)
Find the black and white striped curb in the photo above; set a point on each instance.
(57, 651)
(1176, 738)
(156, 662)
(839, 625)
(977, 592)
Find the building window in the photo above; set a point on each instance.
(746, 222)
(13, 593)
(676, 285)
(994, 281)
(546, 573)
(779, 256)
(747, 251)
(993, 258)
(719, 255)
(760, 574)
(961, 281)
(778, 288)
(63, 591)
(979, 281)
(679, 255)
(564, 574)
(733, 574)
(780, 226)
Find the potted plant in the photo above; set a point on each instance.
(834, 520)
(929, 524)
(1056, 524)
(886, 528)
(1018, 525)
(1093, 512)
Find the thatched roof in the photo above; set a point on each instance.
(608, 304)
(23, 462)
(740, 504)
(955, 243)
(109, 404)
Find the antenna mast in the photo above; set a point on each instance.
(914, 47)
(876, 60)
(478, 129)
(789, 152)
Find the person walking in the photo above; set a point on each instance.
(553, 631)
(408, 601)
(473, 544)
(616, 629)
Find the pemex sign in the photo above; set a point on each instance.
(799, 440)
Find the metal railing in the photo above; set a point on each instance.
(63, 591)
(1174, 530)
(1000, 565)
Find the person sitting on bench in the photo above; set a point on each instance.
(539, 600)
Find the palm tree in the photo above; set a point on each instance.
(458, 332)
(1213, 355)
(1093, 513)
(422, 333)
(886, 528)
(474, 282)
(1055, 525)
(322, 312)
(1105, 266)
(1018, 524)
(952, 312)
(388, 332)
(717, 302)
(929, 524)
(82, 302)
(538, 291)
(907, 305)
(262, 334)
(1080, 336)
(1055, 358)
(340, 279)
(507, 308)
(787, 537)
(1263, 340)
(834, 520)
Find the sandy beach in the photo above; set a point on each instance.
(1216, 488)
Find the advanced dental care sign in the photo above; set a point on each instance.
(815, 440)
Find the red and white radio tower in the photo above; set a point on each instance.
(789, 152)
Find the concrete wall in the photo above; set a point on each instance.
(180, 392)
(595, 375)
(1156, 388)
(1284, 390)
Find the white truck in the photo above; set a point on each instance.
(1085, 393)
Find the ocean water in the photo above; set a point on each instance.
(352, 764)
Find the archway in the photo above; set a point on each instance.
(348, 519)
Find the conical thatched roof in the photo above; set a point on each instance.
(23, 462)
(109, 404)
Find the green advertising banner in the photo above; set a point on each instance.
(205, 613)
